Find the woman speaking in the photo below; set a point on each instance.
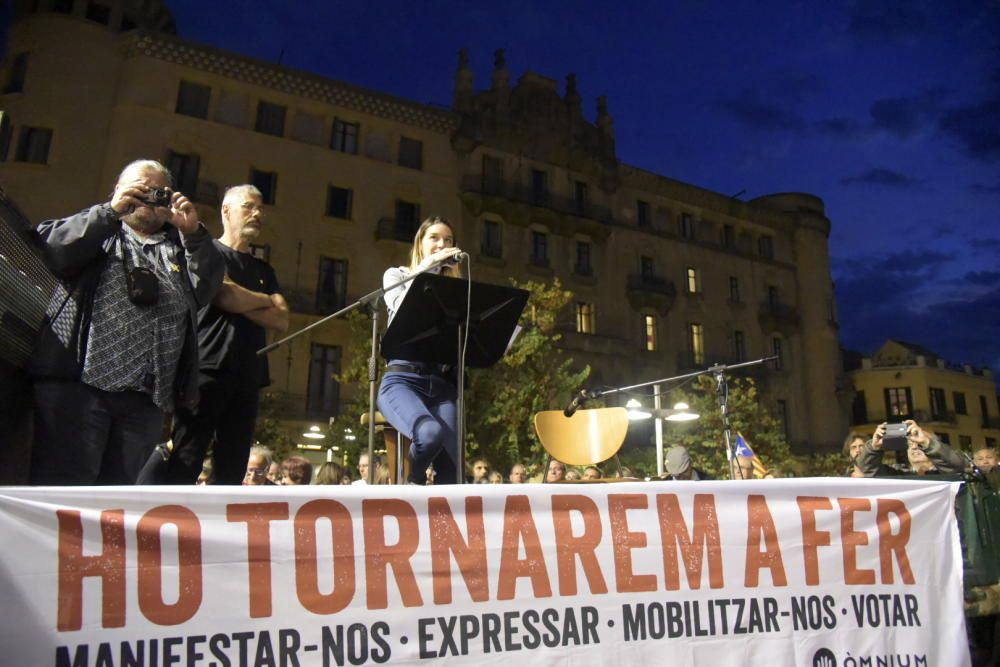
(418, 398)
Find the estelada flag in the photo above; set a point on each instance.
(743, 449)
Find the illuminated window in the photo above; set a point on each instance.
(649, 327)
(898, 403)
(693, 281)
(584, 317)
(696, 342)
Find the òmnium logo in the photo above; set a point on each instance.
(824, 658)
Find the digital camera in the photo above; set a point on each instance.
(895, 438)
(159, 197)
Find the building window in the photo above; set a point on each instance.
(33, 145)
(642, 217)
(585, 317)
(17, 73)
(411, 153)
(261, 251)
(782, 410)
(991, 443)
(778, 352)
(539, 187)
(270, 119)
(734, 289)
(192, 99)
(61, 6)
(985, 411)
(331, 293)
(944, 437)
(859, 409)
(539, 248)
(582, 198)
(491, 239)
(647, 268)
(739, 346)
(98, 13)
(339, 202)
(685, 226)
(649, 329)
(965, 442)
(958, 398)
(184, 169)
(765, 244)
(492, 175)
(696, 343)
(898, 404)
(345, 137)
(773, 296)
(323, 398)
(407, 219)
(266, 182)
(939, 409)
(693, 281)
(728, 236)
(582, 266)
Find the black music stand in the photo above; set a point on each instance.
(430, 327)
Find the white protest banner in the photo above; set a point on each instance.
(810, 572)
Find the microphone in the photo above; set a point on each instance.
(576, 403)
(458, 258)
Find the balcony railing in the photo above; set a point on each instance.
(638, 282)
(525, 194)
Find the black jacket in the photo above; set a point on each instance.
(76, 251)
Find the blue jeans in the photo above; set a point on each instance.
(422, 407)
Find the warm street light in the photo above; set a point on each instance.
(681, 413)
(635, 411)
(313, 433)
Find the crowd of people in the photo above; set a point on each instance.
(925, 455)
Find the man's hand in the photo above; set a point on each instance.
(184, 215)
(129, 196)
(916, 435)
(877, 436)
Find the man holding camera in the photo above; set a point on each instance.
(230, 331)
(925, 453)
(118, 346)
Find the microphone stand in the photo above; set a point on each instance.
(718, 371)
(370, 300)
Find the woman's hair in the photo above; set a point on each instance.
(297, 469)
(416, 251)
(329, 473)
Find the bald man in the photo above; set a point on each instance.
(118, 347)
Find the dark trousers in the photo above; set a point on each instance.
(87, 436)
(422, 407)
(225, 419)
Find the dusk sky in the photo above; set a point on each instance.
(889, 111)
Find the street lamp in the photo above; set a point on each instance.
(635, 411)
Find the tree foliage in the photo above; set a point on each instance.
(534, 375)
(704, 438)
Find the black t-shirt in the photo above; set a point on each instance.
(229, 342)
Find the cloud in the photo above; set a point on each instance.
(751, 110)
(887, 297)
(985, 245)
(887, 20)
(881, 177)
(841, 127)
(905, 116)
(987, 278)
(977, 128)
